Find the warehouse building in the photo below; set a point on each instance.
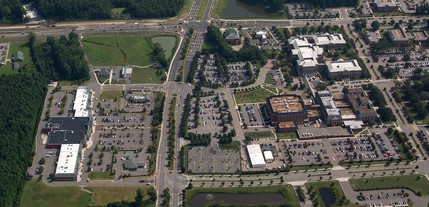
(255, 156)
(68, 162)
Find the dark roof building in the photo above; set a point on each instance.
(67, 130)
(130, 164)
(232, 37)
(104, 73)
(286, 108)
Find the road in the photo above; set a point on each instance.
(173, 178)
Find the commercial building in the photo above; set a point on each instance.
(360, 104)
(330, 112)
(343, 69)
(67, 130)
(385, 5)
(82, 102)
(268, 155)
(103, 73)
(261, 35)
(402, 35)
(286, 108)
(138, 99)
(330, 41)
(255, 156)
(68, 162)
(232, 37)
(132, 165)
(306, 55)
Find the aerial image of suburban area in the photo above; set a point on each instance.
(214, 103)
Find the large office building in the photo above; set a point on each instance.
(330, 41)
(67, 130)
(68, 162)
(360, 104)
(82, 102)
(306, 55)
(385, 5)
(256, 157)
(286, 108)
(330, 112)
(343, 69)
(402, 35)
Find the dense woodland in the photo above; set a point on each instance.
(21, 100)
(11, 11)
(101, 9)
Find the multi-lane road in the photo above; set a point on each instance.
(173, 179)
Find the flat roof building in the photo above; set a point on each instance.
(360, 103)
(255, 156)
(67, 130)
(343, 69)
(268, 155)
(82, 102)
(306, 55)
(385, 5)
(402, 35)
(330, 111)
(330, 41)
(68, 162)
(286, 108)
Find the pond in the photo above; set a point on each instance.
(201, 198)
(328, 196)
(237, 9)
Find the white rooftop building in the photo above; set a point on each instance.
(268, 156)
(354, 124)
(255, 155)
(329, 40)
(82, 102)
(68, 162)
(342, 69)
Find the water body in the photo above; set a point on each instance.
(237, 9)
(201, 198)
(328, 196)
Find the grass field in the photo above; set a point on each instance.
(218, 8)
(148, 75)
(202, 9)
(124, 49)
(259, 135)
(287, 135)
(415, 183)
(16, 46)
(256, 96)
(110, 94)
(101, 196)
(314, 187)
(287, 191)
(97, 175)
(234, 145)
(37, 194)
(168, 43)
(268, 79)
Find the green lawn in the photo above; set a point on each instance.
(287, 135)
(114, 50)
(314, 187)
(218, 8)
(97, 175)
(101, 196)
(167, 42)
(256, 96)
(148, 75)
(118, 13)
(287, 191)
(259, 135)
(111, 94)
(37, 194)
(16, 46)
(416, 183)
(268, 79)
(234, 145)
(202, 9)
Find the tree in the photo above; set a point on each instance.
(139, 197)
(375, 25)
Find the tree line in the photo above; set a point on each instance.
(11, 11)
(101, 9)
(278, 4)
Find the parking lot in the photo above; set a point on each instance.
(213, 160)
(250, 115)
(210, 115)
(276, 77)
(306, 11)
(61, 103)
(304, 153)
